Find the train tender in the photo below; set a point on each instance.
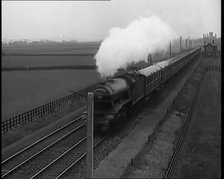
(114, 98)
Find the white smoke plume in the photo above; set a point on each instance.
(132, 44)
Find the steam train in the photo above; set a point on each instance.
(114, 98)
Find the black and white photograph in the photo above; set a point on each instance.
(111, 89)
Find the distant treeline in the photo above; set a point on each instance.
(48, 54)
(79, 67)
(48, 43)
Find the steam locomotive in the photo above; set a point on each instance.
(114, 98)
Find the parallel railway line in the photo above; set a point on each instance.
(60, 166)
(55, 139)
(181, 139)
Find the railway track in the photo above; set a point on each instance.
(173, 161)
(61, 165)
(180, 142)
(37, 155)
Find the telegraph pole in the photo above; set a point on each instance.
(89, 125)
(180, 44)
(170, 48)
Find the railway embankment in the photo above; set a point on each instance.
(199, 154)
(154, 159)
(128, 159)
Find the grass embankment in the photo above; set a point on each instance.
(201, 157)
(153, 159)
(25, 90)
(23, 131)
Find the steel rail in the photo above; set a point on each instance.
(40, 140)
(54, 161)
(178, 148)
(81, 157)
(44, 149)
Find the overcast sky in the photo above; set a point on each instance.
(92, 20)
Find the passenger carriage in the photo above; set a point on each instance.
(152, 78)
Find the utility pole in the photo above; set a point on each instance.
(180, 44)
(170, 49)
(186, 44)
(149, 59)
(89, 125)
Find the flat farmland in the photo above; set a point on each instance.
(25, 90)
(56, 49)
(37, 61)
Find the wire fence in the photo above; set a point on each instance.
(44, 110)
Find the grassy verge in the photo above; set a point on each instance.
(22, 131)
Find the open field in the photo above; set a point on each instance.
(37, 61)
(57, 49)
(24, 90)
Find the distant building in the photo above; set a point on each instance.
(210, 35)
(210, 50)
